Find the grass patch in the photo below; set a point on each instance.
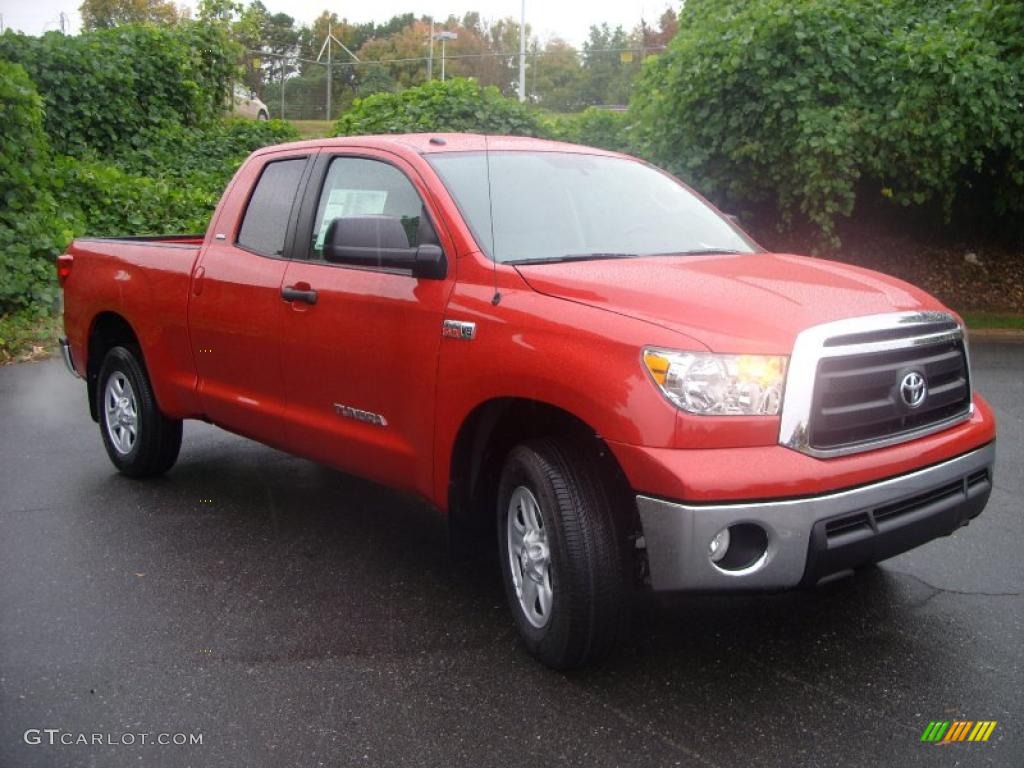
(313, 129)
(1000, 320)
(28, 336)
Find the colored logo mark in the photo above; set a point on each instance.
(958, 730)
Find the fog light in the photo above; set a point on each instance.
(739, 547)
(719, 545)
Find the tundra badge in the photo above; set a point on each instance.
(359, 415)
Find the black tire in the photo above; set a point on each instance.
(262, 116)
(589, 605)
(157, 439)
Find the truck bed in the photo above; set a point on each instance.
(144, 280)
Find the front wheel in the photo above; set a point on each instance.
(140, 440)
(562, 556)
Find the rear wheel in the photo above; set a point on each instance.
(140, 440)
(562, 556)
(262, 116)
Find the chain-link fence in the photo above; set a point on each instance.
(563, 80)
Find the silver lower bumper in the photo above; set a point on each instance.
(65, 352)
(801, 532)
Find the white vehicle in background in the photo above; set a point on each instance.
(245, 103)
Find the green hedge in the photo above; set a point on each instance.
(101, 89)
(459, 104)
(166, 179)
(201, 158)
(594, 127)
(32, 227)
(808, 104)
(107, 202)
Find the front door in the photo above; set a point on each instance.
(360, 363)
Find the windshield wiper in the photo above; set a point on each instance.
(699, 252)
(577, 257)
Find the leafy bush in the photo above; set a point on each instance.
(170, 181)
(165, 179)
(101, 88)
(107, 202)
(804, 104)
(594, 127)
(458, 104)
(204, 158)
(32, 228)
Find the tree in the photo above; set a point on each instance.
(408, 43)
(375, 79)
(218, 11)
(668, 25)
(558, 77)
(281, 40)
(104, 14)
(250, 31)
(609, 69)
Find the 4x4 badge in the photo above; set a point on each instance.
(458, 329)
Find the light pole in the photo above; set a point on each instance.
(430, 54)
(444, 36)
(522, 53)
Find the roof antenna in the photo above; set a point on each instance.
(490, 207)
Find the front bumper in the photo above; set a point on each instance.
(811, 538)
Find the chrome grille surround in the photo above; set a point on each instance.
(861, 336)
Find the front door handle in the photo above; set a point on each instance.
(300, 292)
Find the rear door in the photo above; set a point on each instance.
(236, 312)
(360, 365)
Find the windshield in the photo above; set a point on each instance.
(559, 206)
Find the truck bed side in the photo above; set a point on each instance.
(143, 282)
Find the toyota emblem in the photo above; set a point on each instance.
(913, 389)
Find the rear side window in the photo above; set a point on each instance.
(270, 207)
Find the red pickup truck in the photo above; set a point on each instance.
(560, 345)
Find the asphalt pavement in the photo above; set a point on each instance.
(289, 615)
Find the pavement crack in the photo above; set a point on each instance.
(853, 705)
(27, 510)
(946, 590)
(646, 728)
(664, 738)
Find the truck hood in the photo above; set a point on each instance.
(754, 303)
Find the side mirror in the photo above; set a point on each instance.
(252, 95)
(381, 241)
(430, 262)
(734, 218)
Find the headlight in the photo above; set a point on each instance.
(719, 385)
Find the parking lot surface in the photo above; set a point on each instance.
(294, 616)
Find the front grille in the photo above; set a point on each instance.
(857, 396)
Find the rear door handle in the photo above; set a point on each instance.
(295, 293)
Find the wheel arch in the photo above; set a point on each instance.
(107, 330)
(482, 443)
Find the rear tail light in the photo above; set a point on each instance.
(64, 263)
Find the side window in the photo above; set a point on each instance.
(357, 187)
(270, 207)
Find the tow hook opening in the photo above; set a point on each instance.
(738, 547)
